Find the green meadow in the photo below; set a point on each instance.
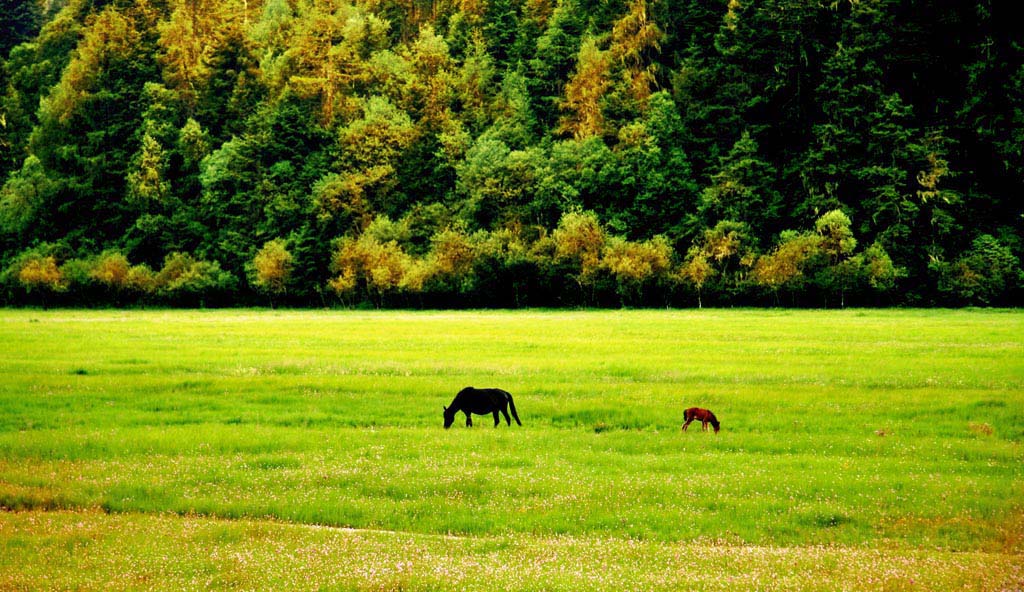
(173, 450)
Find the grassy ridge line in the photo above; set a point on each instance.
(96, 551)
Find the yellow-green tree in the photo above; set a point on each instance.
(147, 182)
(113, 271)
(430, 88)
(109, 36)
(189, 280)
(879, 271)
(41, 273)
(453, 252)
(841, 271)
(451, 258)
(474, 83)
(371, 148)
(583, 113)
(380, 268)
(637, 264)
(837, 239)
(579, 242)
(271, 268)
(24, 193)
(635, 40)
(185, 45)
(326, 55)
(784, 266)
(696, 270)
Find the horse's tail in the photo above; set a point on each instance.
(512, 408)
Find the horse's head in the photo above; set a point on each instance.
(715, 425)
(449, 417)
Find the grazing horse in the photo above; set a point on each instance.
(481, 401)
(703, 415)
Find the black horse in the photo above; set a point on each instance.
(481, 401)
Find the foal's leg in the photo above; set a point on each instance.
(469, 420)
(687, 424)
(497, 418)
(504, 411)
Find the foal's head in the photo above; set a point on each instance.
(449, 417)
(714, 423)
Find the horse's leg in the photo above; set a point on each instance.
(469, 419)
(497, 418)
(703, 425)
(687, 424)
(504, 411)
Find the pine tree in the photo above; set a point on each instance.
(742, 190)
(19, 21)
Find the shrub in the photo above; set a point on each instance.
(190, 281)
(986, 274)
(271, 268)
(41, 274)
(379, 268)
(637, 264)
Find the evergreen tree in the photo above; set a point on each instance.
(554, 59)
(500, 30)
(19, 21)
(742, 190)
(27, 75)
(87, 129)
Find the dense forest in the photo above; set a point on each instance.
(511, 153)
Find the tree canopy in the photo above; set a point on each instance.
(511, 152)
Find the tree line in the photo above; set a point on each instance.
(510, 152)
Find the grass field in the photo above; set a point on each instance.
(860, 450)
